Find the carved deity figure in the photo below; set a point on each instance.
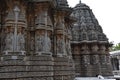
(94, 59)
(102, 49)
(60, 45)
(92, 35)
(39, 42)
(95, 48)
(32, 44)
(68, 48)
(86, 59)
(20, 41)
(108, 59)
(103, 58)
(83, 26)
(82, 19)
(89, 20)
(91, 26)
(43, 42)
(84, 35)
(59, 22)
(75, 35)
(84, 48)
(46, 43)
(9, 40)
(81, 12)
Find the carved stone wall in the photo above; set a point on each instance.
(36, 40)
(90, 46)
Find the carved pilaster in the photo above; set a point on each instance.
(43, 29)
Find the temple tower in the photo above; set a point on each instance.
(90, 46)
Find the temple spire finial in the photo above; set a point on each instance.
(80, 1)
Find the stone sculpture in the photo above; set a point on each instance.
(39, 43)
(46, 43)
(9, 40)
(20, 42)
(60, 45)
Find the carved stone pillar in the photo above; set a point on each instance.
(60, 36)
(43, 30)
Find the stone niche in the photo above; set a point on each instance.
(43, 42)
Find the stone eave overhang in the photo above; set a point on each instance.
(89, 42)
(64, 9)
(52, 2)
(70, 19)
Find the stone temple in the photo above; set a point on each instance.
(48, 40)
(90, 46)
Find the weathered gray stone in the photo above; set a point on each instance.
(91, 44)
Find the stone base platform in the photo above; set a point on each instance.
(63, 68)
(37, 67)
(26, 68)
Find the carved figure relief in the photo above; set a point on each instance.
(68, 48)
(86, 59)
(46, 43)
(108, 59)
(32, 44)
(60, 22)
(84, 48)
(94, 59)
(39, 42)
(89, 20)
(92, 35)
(102, 49)
(75, 35)
(60, 45)
(81, 12)
(82, 19)
(95, 48)
(83, 26)
(20, 41)
(103, 59)
(84, 35)
(9, 40)
(43, 42)
(91, 26)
